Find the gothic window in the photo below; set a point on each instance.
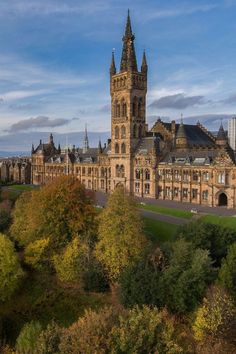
(109, 172)
(123, 148)
(147, 174)
(137, 187)
(134, 106)
(118, 110)
(205, 195)
(123, 132)
(205, 176)
(194, 193)
(124, 109)
(140, 108)
(221, 177)
(115, 108)
(176, 192)
(117, 132)
(122, 171)
(117, 171)
(137, 174)
(185, 193)
(117, 149)
(195, 176)
(102, 172)
(140, 131)
(134, 131)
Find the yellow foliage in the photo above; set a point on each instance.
(35, 251)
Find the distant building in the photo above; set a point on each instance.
(232, 132)
(180, 162)
(15, 169)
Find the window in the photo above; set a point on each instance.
(89, 184)
(177, 175)
(137, 174)
(205, 176)
(147, 174)
(185, 192)
(147, 188)
(102, 184)
(194, 193)
(140, 108)
(118, 110)
(102, 172)
(140, 131)
(117, 132)
(195, 176)
(168, 174)
(185, 176)
(221, 177)
(134, 107)
(123, 148)
(117, 171)
(205, 195)
(168, 192)
(123, 132)
(124, 109)
(134, 131)
(83, 171)
(176, 192)
(117, 149)
(137, 187)
(122, 171)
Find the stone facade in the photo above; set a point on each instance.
(16, 169)
(171, 161)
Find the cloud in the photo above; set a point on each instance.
(231, 99)
(177, 101)
(38, 122)
(21, 94)
(105, 108)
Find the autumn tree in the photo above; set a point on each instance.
(59, 212)
(49, 339)
(227, 273)
(26, 342)
(215, 322)
(121, 241)
(10, 270)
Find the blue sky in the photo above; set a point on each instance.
(55, 57)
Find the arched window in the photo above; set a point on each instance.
(117, 132)
(124, 109)
(115, 108)
(123, 148)
(134, 131)
(147, 174)
(117, 149)
(102, 172)
(134, 106)
(118, 110)
(140, 107)
(122, 171)
(123, 132)
(137, 174)
(117, 171)
(140, 131)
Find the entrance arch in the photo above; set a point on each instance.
(223, 199)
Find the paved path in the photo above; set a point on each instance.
(102, 199)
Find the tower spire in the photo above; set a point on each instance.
(128, 58)
(113, 65)
(144, 67)
(86, 141)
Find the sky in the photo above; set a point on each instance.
(55, 57)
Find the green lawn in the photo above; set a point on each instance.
(179, 213)
(227, 221)
(22, 187)
(160, 231)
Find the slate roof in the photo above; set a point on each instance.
(146, 145)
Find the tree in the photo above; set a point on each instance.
(227, 273)
(145, 330)
(214, 238)
(121, 241)
(5, 220)
(90, 334)
(27, 339)
(215, 318)
(140, 282)
(72, 263)
(183, 282)
(59, 211)
(49, 339)
(10, 270)
(36, 253)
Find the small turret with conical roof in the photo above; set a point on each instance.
(221, 138)
(181, 137)
(59, 148)
(144, 67)
(113, 64)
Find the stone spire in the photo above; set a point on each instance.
(221, 138)
(113, 65)
(32, 149)
(86, 141)
(59, 148)
(128, 58)
(51, 139)
(181, 133)
(100, 146)
(144, 67)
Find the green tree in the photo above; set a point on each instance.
(36, 253)
(10, 270)
(27, 339)
(72, 263)
(183, 282)
(140, 283)
(121, 241)
(145, 330)
(214, 238)
(227, 273)
(5, 220)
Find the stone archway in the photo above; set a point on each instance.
(222, 199)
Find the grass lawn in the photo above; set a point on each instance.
(42, 298)
(179, 213)
(22, 187)
(160, 231)
(226, 221)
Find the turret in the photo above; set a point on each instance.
(221, 138)
(128, 59)
(99, 146)
(144, 66)
(113, 65)
(32, 149)
(51, 139)
(86, 141)
(181, 137)
(59, 148)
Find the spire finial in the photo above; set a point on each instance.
(144, 67)
(113, 65)
(128, 58)
(86, 141)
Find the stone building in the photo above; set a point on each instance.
(171, 161)
(15, 169)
